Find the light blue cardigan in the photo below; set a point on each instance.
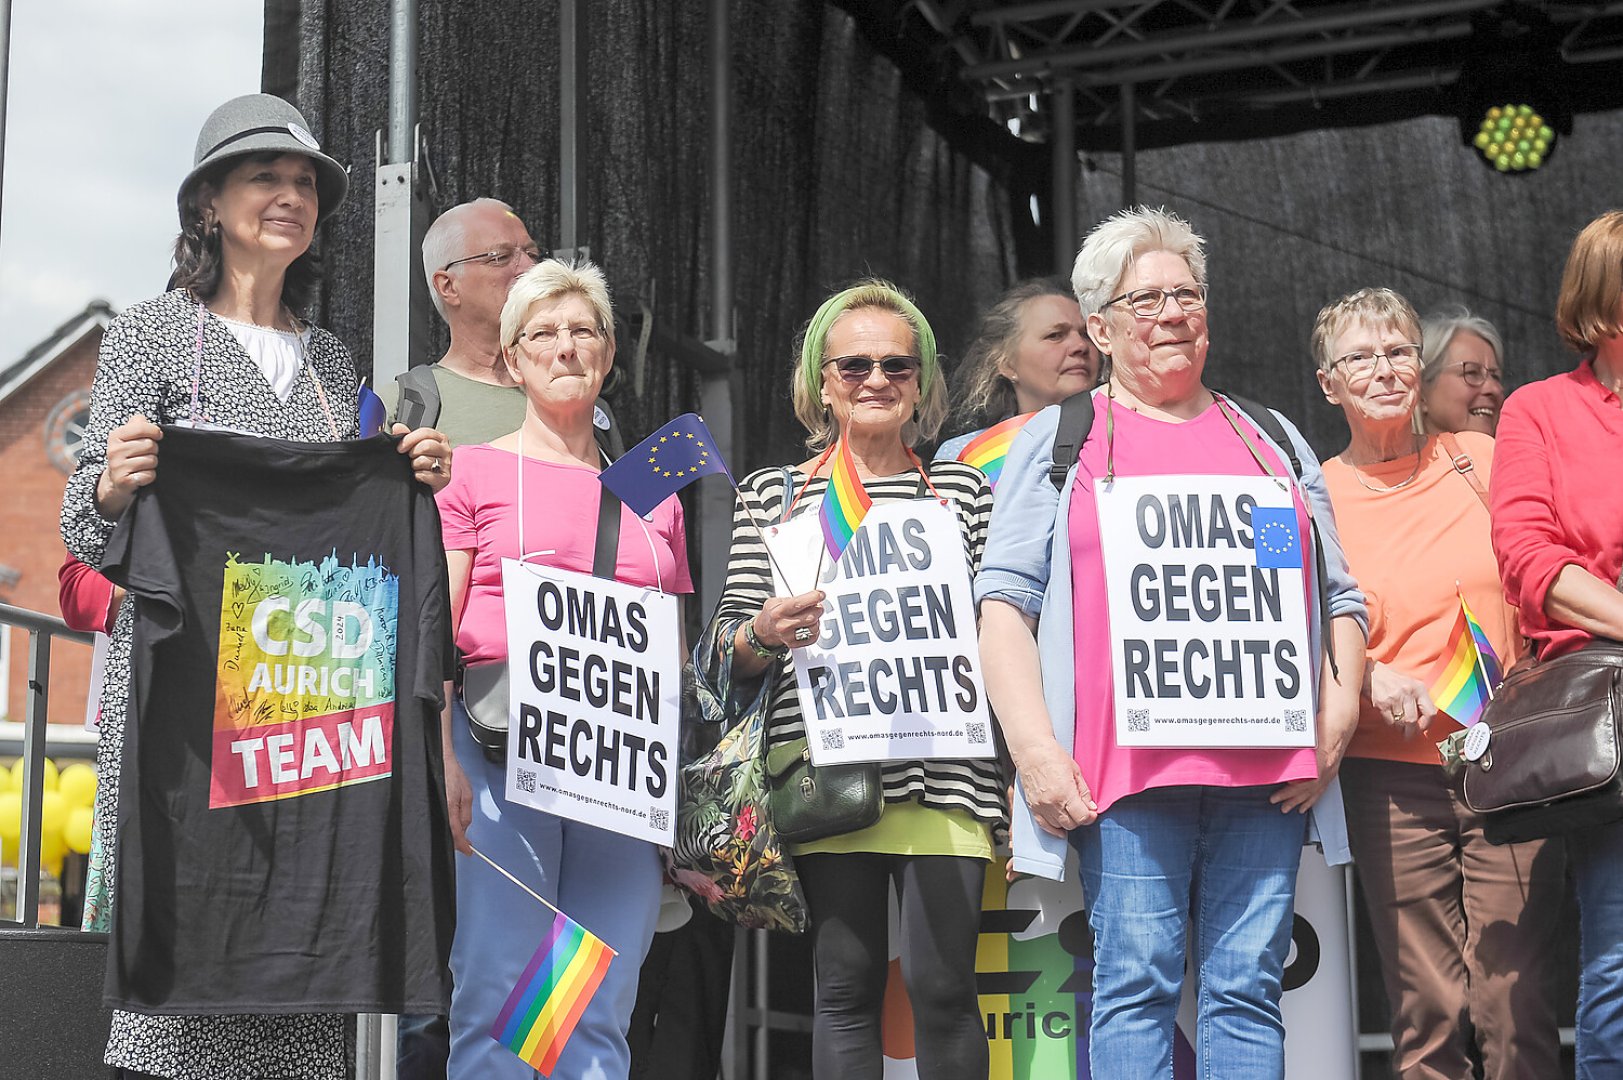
(1027, 563)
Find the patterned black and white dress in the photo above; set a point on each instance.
(149, 357)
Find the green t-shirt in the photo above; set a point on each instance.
(471, 412)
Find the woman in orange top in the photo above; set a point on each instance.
(1457, 956)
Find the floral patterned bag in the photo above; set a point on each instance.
(726, 852)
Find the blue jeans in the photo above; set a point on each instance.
(1210, 869)
(1596, 857)
(606, 882)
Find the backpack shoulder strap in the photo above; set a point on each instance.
(1075, 421)
(1265, 420)
(418, 402)
(1463, 465)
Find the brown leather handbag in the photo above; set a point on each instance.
(1552, 760)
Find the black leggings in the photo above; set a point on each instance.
(940, 902)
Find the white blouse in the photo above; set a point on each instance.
(279, 354)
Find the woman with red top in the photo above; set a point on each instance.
(1466, 974)
(1558, 532)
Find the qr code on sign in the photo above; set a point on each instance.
(834, 740)
(526, 781)
(1138, 719)
(976, 730)
(659, 820)
(1295, 719)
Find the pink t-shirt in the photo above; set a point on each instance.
(1143, 447)
(479, 512)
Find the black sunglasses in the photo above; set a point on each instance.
(857, 368)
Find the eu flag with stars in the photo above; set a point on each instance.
(1278, 539)
(664, 463)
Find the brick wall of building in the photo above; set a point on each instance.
(29, 540)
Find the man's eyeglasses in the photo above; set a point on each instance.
(498, 257)
(1149, 302)
(1476, 374)
(546, 338)
(855, 369)
(1402, 359)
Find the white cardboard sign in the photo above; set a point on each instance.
(895, 672)
(1208, 611)
(594, 699)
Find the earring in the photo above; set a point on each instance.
(915, 414)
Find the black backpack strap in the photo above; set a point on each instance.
(1270, 425)
(606, 552)
(606, 429)
(418, 400)
(1075, 421)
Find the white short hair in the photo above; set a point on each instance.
(1117, 241)
(443, 241)
(550, 279)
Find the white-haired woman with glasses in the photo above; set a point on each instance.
(1462, 383)
(868, 376)
(537, 488)
(1465, 955)
(1177, 846)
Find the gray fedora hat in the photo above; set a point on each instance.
(260, 123)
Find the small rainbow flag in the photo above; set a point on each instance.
(845, 503)
(1469, 671)
(988, 450)
(543, 1009)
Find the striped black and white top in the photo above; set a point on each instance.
(976, 786)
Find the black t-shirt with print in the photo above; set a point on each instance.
(282, 832)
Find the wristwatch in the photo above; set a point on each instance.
(759, 647)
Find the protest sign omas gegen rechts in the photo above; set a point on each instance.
(1208, 611)
(895, 673)
(594, 693)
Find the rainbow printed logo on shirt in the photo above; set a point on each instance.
(304, 700)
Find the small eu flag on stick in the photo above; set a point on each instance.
(370, 411)
(664, 463)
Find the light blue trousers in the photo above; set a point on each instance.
(608, 883)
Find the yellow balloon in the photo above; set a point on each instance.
(52, 778)
(11, 778)
(77, 784)
(81, 821)
(11, 823)
(53, 814)
(51, 853)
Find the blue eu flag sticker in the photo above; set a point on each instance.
(1278, 539)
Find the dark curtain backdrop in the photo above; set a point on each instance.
(836, 175)
(1294, 222)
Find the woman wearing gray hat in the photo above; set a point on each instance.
(225, 347)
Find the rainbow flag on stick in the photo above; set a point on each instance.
(845, 503)
(988, 450)
(1469, 672)
(559, 981)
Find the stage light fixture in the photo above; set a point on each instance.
(1514, 137)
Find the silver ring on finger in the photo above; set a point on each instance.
(803, 633)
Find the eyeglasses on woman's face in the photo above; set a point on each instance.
(856, 369)
(1477, 375)
(1148, 303)
(1404, 360)
(500, 257)
(546, 338)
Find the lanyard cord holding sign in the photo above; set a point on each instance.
(606, 549)
(304, 365)
(1321, 571)
(924, 478)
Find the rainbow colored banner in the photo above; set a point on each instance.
(1469, 671)
(845, 503)
(546, 1004)
(988, 450)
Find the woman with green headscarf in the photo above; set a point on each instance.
(867, 379)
